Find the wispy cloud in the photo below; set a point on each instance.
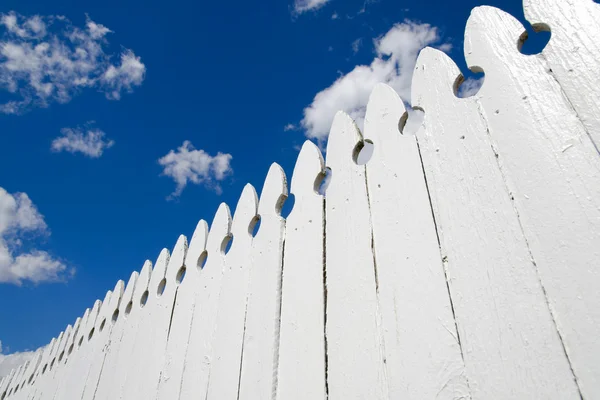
(87, 140)
(301, 6)
(356, 45)
(8, 362)
(396, 55)
(19, 218)
(186, 164)
(45, 59)
(289, 127)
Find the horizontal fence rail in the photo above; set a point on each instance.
(457, 263)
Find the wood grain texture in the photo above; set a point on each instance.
(301, 371)
(353, 318)
(423, 356)
(198, 358)
(153, 331)
(261, 336)
(101, 340)
(116, 367)
(572, 53)
(510, 343)
(183, 312)
(552, 171)
(229, 337)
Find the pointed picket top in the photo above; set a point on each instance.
(115, 300)
(177, 260)
(159, 271)
(197, 247)
(143, 281)
(385, 109)
(343, 138)
(72, 339)
(245, 211)
(491, 36)
(434, 69)
(64, 346)
(309, 166)
(103, 314)
(94, 314)
(274, 191)
(219, 230)
(35, 363)
(129, 291)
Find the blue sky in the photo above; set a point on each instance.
(122, 123)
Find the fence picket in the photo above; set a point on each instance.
(229, 334)
(179, 334)
(198, 360)
(301, 372)
(353, 318)
(261, 337)
(572, 53)
(110, 368)
(552, 170)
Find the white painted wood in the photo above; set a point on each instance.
(152, 337)
(572, 52)
(136, 368)
(118, 366)
(301, 372)
(179, 334)
(422, 353)
(6, 383)
(87, 354)
(15, 378)
(15, 385)
(553, 172)
(198, 357)
(113, 349)
(25, 380)
(510, 343)
(48, 383)
(261, 337)
(78, 364)
(226, 356)
(353, 318)
(101, 341)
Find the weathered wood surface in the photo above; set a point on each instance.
(301, 364)
(460, 263)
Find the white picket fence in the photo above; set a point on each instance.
(460, 263)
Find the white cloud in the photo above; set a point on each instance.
(396, 55)
(356, 45)
(19, 217)
(8, 362)
(88, 140)
(301, 6)
(470, 87)
(196, 166)
(289, 127)
(39, 65)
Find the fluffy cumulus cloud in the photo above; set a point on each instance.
(89, 141)
(19, 219)
(187, 164)
(301, 6)
(394, 62)
(47, 59)
(8, 362)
